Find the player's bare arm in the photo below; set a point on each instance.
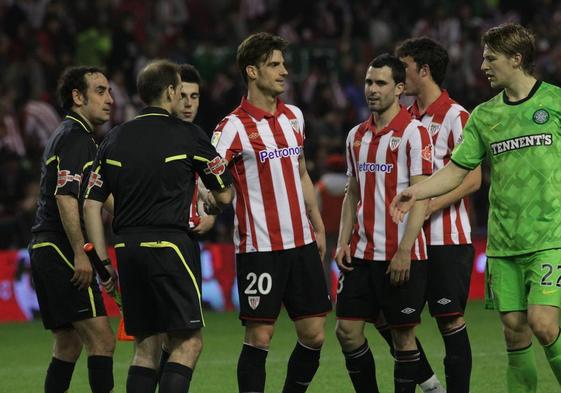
(312, 207)
(96, 234)
(70, 217)
(109, 204)
(470, 184)
(348, 219)
(441, 182)
(400, 265)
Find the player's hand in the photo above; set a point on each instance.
(399, 268)
(111, 284)
(343, 257)
(205, 224)
(210, 205)
(401, 204)
(83, 271)
(320, 241)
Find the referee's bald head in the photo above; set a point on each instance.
(256, 49)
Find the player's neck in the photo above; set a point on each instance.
(384, 118)
(79, 112)
(520, 87)
(427, 95)
(258, 99)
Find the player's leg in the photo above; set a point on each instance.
(506, 293)
(66, 351)
(251, 363)
(356, 304)
(185, 347)
(544, 300)
(165, 354)
(407, 359)
(142, 375)
(447, 292)
(307, 301)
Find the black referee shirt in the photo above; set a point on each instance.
(67, 160)
(149, 164)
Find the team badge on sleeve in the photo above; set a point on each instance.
(426, 153)
(95, 180)
(215, 138)
(217, 166)
(64, 176)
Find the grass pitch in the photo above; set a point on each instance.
(25, 351)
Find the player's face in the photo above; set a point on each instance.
(380, 89)
(271, 74)
(412, 76)
(188, 105)
(96, 104)
(498, 68)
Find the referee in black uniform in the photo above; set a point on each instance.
(69, 297)
(148, 164)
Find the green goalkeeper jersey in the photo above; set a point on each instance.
(523, 143)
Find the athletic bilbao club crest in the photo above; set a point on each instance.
(253, 301)
(394, 142)
(217, 166)
(434, 128)
(426, 153)
(295, 126)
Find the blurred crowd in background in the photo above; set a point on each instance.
(332, 41)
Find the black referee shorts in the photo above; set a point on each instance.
(160, 279)
(293, 277)
(365, 291)
(52, 267)
(449, 278)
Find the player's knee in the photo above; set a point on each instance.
(545, 330)
(312, 339)
(517, 335)
(103, 345)
(68, 349)
(260, 337)
(349, 337)
(448, 324)
(404, 339)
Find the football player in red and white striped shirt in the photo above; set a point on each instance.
(448, 230)
(279, 233)
(383, 265)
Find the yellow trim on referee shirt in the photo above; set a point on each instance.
(87, 164)
(175, 158)
(49, 244)
(119, 245)
(199, 158)
(88, 189)
(164, 244)
(79, 121)
(51, 159)
(113, 162)
(151, 114)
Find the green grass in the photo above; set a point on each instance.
(25, 350)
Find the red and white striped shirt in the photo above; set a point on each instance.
(194, 216)
(445, 120)
(383, 163)
(263, 152)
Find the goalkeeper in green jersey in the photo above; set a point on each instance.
(519, 131)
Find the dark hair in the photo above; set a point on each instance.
(423, 50)
(73, 78)
(397, 67)
(510, 39)
(155, 78)
(256, 49)
(189, 74)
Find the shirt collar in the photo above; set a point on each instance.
(442, 100)
(80, 120)
(258, 113)
(397, 124)
(152, 111)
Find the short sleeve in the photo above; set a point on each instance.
(98, 188)
(75, 153)
(420, 152)
(226, 140)
(210, 166)
(471, 151)
(349, 154)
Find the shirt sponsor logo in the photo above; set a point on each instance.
(217, 166)
(64, 176)
(541, 116)
(265, 155)
(374, 167)
(426, 153)
(394, 142)
(521, 142)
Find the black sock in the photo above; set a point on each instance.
(405, 371)
(141, 380)
(251, 369)
(424, 371)
(362, 369)
(163, 360)
(58, 377)
(100, 373)
(457, 363)
(302, 367)
(175, 378)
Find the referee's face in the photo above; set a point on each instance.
(270, 75)
(96, 105)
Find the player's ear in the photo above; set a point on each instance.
(516, 60)
(251, 72)
(399, 88)
(78, 98)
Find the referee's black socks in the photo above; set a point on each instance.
(457, 363)
(251, 369)
(302, 367)
(406, 370)
(58, 377)
(141, 380)
(176, 378)
(100, 373)
(362, 369)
